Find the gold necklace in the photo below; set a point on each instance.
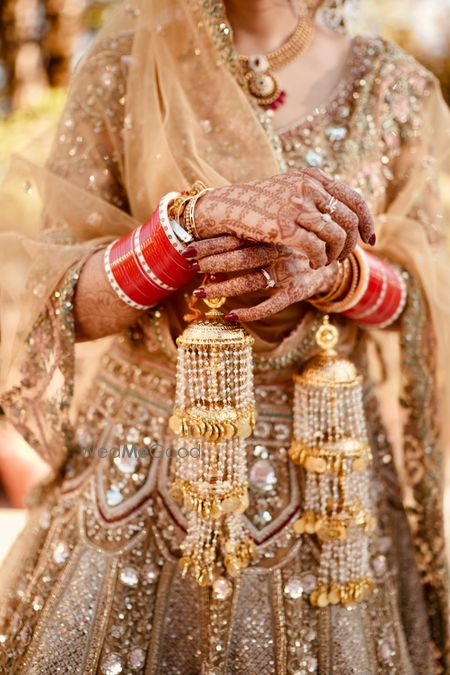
(259, 69)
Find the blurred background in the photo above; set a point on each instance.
(41, 41)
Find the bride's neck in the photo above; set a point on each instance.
(260, 25)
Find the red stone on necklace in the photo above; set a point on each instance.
(278, 102)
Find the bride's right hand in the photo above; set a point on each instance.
(289, 209)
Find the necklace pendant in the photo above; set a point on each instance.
(258, 69)
(263, 86)
(265, 89)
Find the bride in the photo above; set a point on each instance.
(306, 167)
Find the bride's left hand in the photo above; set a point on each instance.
(292, 276)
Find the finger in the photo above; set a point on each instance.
(350, 198)
(330, 232)
(205, 247)
(346, 219)
(349, 222)
(247, 283)
(317, 174)
(235, 261)
(277, 302)
(310, 245)
(356, 203)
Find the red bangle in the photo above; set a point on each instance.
(144, 266)
(156, 249)
(133, 281)
(385, 297)
(127, 271)
(375, 287)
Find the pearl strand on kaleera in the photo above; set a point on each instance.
(330, 443)
(214, 408)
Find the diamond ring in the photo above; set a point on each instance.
(325, 219)
(331, 206)
(270, 282)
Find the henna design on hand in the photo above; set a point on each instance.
(350, 198)
(295, 281)
(287, 209)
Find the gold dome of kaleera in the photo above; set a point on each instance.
(328, 367)
(213, 329)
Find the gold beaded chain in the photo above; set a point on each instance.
(295, 45)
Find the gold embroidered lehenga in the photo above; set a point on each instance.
(92, 583)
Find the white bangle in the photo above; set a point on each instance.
(168, 224)
(179, 231)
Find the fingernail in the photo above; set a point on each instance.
(373, 239)
(232, 317)
(190, 252)
(200, 293)
(194, 266)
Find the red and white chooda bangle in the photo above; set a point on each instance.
(384, 296)
(368, 290)
(147, 265)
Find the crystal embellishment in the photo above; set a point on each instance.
(38, 603)
(84, 436)
(262, 476)
(308, 581)
(151, 573)
(126, 463)
(314, 158)
(261, 451)
(294, 588)
(114, 496)
(60, 553)
(311, 664)
(112, 664)
(262, 518)
(129, 576)
(336, 133)
(222, 588)
(136, 658)
(206, 126)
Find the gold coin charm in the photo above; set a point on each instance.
(334, 596)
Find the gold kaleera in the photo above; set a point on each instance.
(215, 412)
(330, 443)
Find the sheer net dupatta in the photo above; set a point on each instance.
(414, 233)
(51, 218)
(188, 117)
(153, 106)
(37, 281)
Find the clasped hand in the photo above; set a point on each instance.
(294, 227)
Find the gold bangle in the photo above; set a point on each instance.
(345, 286)
(349, 300)
(178, 206)
(332, 293)
(364, 276)
(341, 280)
(189, 214)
